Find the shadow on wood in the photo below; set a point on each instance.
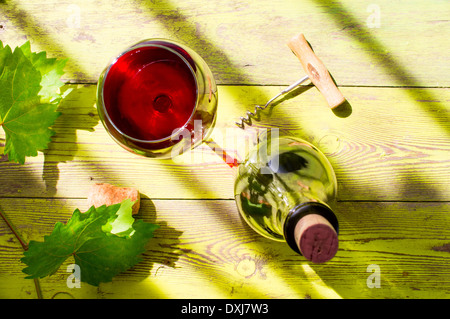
(78, 112)
(380, 53)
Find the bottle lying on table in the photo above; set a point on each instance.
(288, 195)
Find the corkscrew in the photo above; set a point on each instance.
(316, 72)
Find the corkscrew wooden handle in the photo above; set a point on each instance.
(316, 70)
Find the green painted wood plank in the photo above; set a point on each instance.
(204, 243)
(393, 146)
(380, 43)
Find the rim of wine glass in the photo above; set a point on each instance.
(147, 43)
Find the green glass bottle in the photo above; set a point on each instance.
(286, 190)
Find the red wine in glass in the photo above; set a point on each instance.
(152, 94)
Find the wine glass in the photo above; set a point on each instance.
(158, 98)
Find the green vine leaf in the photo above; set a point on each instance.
(29, 96)
(100, 253)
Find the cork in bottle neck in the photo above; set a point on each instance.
(316, 238)
(311, 230)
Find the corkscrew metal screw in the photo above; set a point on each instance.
(248, 118)
(316, 72)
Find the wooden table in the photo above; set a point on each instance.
(390, 148)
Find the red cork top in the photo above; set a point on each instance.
(316, 238)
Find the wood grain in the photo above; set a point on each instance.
(221, 254)
(361, 43)
(391, 147)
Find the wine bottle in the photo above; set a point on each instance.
(288, 194)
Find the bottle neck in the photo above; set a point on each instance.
(321, 224)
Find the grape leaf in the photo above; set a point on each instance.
(87, 237)
(122, 224)
(29, 97)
